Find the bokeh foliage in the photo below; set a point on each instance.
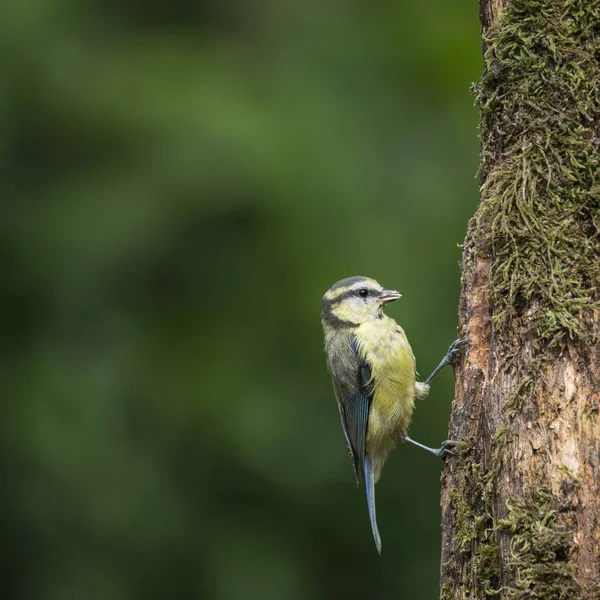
(181, 182)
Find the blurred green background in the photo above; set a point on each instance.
(181, 182)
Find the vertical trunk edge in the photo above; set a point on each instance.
(521, 497)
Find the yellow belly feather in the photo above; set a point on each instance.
(384, 345)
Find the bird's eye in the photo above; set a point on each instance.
(363, 292)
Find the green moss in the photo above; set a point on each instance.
(487, 567)
(476, 540)
(447, 592)
(466, 522)
(541, 549)
(539, 222)
(538, 218)
(522, 391)
(490, 478)
(538, 531)
(541, 544)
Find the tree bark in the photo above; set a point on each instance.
(521, 497)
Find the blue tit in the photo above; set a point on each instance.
(373, 370)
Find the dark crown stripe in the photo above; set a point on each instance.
(347, 282)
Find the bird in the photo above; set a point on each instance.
(373, 370)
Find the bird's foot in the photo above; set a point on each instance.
(453, 351)
(449, 359)
(445, 449)
(442, 452)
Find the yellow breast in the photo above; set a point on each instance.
(383, 344)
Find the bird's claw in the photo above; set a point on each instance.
(453, 351)
(446, 449)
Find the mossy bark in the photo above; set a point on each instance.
(521, 497)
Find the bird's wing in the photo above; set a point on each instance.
(354, 394)
(342, 392)
(357, 412)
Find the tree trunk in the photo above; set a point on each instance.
(521, 496)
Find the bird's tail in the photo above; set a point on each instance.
(370, 489)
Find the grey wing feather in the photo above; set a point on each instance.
(338, 387)
(353, 394)
(357, 407)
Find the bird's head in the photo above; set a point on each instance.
(353, 301)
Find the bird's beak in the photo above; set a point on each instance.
(389, 296)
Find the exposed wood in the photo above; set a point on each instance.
(489, 12)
